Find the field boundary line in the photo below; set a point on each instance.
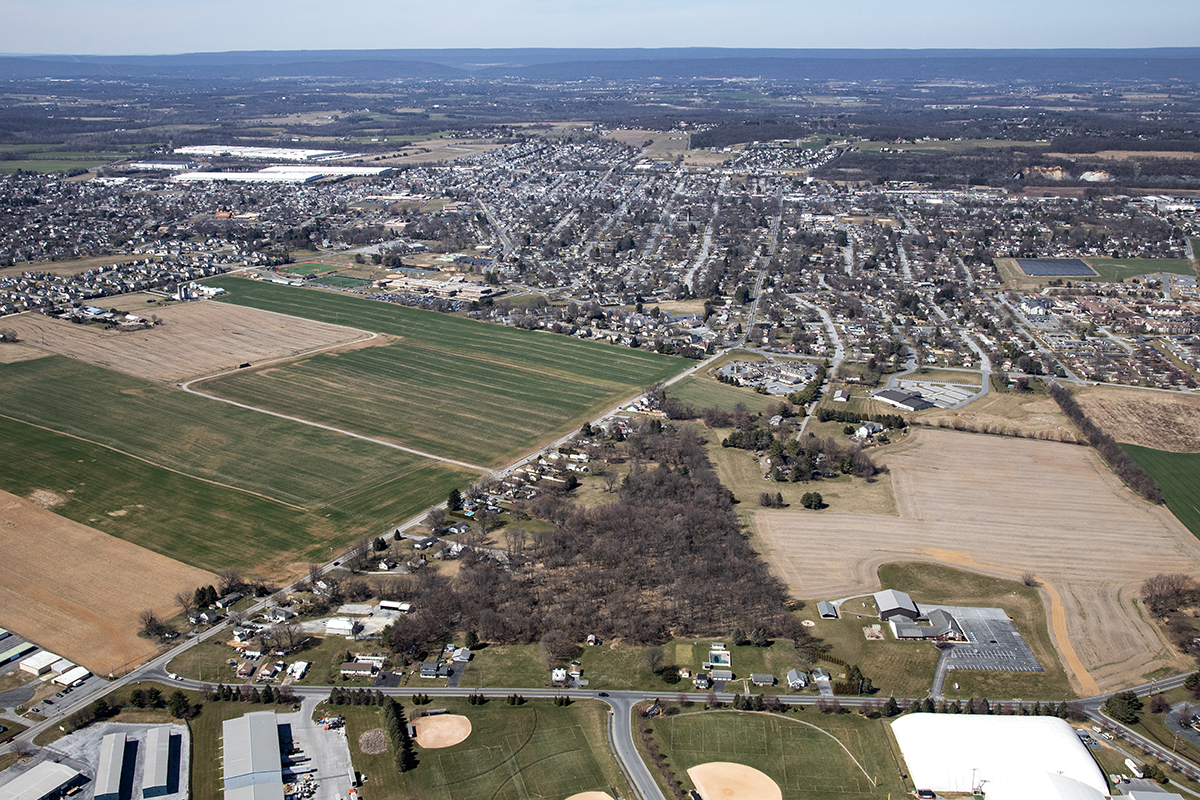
(155, 463)
(789, 719)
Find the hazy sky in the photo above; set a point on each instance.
(180, 26)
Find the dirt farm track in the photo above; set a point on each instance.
(1003, 507)
(78, 592)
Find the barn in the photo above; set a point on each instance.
(892, 603)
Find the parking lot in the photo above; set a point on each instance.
(993, 642)
(942, 395)
(320, 762)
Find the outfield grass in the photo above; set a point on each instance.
(527, 752)
(308, 268)
(706, 393)
(936, 583)
(454, 387)
(342, 281)
(1175, 474)
(799, 751)
(1119, 269)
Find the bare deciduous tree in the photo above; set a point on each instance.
(186, 601)
(229, 580)
(1168, 591)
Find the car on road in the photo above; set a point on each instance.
(601, 694)
(926, 794)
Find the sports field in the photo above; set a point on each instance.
(1003, 507)
(1178, 478)
(1120, 269)
(310, 268)
(449, 386)
(807, 754)
(513, 753)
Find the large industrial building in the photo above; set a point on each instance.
(156, 774)
(43, 780)
(253, 766)
(1010, 758)
(264, 153)
(108, 770)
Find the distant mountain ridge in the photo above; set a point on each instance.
(1067, 65)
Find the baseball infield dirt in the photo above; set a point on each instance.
(442, 730)
(591, 796)
(79, 592)
(722, 780)
(1004, 507)
(196, 338)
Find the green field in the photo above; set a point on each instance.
(40, 158)
(184, 518)
(449, 386)
(527, 752)
(1119, 269)
(804, 755)
(310, 268)
(706, 393)
(342, 281)
(1177, 477)
(335, 485)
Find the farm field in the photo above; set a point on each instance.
(78, 592)
(278, 459)
(807, 754)
(1010, 411)
(196, 338)
(527, 752)
(1158, 420)
(1003, 507)
(454, 387)
(1176, 476)
(184, 518)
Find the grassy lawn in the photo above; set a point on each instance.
(449, 386)
(935, 583)
(1175, 474)
(947, 376)
(309, 268)
(800, 752)
(1119, 269)
(527, 752)
(192, 520)
(706, 393)
(900, 669)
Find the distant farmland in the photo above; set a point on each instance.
(279, 459)
(449, 386)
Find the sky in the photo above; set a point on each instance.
(128, 27)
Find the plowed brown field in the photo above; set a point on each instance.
(197, 338)
(78, 592)
(1004, 507)
(1151, 419)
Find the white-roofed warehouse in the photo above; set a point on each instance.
(1013, 758)
(253, 767)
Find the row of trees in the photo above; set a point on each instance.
(1122, 463)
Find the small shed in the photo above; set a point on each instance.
(827, 610)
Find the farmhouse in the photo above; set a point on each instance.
(892, 603)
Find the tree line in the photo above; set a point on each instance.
(1123, 464)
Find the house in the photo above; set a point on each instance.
(820, 674)
(357, 669)
(702, 681)
(761, 679)
(209, 615)
(426, 543)
(229, 599)
(796, 679)
(386, 564)
(558, 675)
(297, 669)
(429, 669)
(279, 614)
(892, 603)
(462, 655)
(841, 396)
(827, 610)
(868, 429)
(375, 659)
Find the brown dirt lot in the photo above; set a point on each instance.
(78, 592)
(198, 338)
(1004, 412)
(723, 780)
(1150, 419)
(1004, 507)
